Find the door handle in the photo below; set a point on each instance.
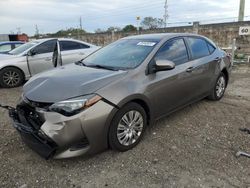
(48, 59)
(190, 69)
(217, 59)
(81, 53)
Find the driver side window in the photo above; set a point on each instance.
(173, 50)
(46, 47)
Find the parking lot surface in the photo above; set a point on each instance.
(194, 147)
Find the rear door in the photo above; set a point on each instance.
(202, 65)
(72, 51)
(42, 60)
(173, 88)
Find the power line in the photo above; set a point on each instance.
(141, 8)
(138, 5)
(123, 12)
(149, 6)
(205, 20)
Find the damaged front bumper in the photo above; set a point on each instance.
(44, 147)
(53, 135)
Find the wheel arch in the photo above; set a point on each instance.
(143, 101)
(225, 72)
(139, 99)
(15, 67)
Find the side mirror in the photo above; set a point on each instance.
(162, 65)
(31, 52)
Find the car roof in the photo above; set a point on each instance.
(12, 42)
(70, 39)
(160, 36)
(64, 39)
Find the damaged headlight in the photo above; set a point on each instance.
(73, 106)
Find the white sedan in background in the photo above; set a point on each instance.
(40, 55)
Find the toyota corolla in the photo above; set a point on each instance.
(109, 99)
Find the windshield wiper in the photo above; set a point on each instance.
(80, 63)
(103, 67)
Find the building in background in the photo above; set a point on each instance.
(14, 37)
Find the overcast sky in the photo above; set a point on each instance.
(53, 15)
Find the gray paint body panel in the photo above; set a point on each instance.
(163, 92)
(68, 82)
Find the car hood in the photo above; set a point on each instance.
(7, 56)
(68, 82)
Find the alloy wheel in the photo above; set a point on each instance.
(11, 78)
(130, 128)
(220, 86)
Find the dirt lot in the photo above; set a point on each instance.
(194, 147)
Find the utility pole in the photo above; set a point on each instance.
(138, 24)
(36, 31)
(166, 13)
(18, 30)
(80, 28)
(241, 10)
(80, 22)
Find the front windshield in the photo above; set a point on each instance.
(23, 48)
(123, 54)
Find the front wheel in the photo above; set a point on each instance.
(219, 89)
(11, 77)
(127, 127)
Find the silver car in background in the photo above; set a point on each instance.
(40, 55)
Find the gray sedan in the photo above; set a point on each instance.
(112, 96)
(37, 56)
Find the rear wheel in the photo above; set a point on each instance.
(219, 89)
(127, 127)
(11, 77)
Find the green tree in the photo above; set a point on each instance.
(129, 28)
(110, 29)
(152, 23)
(68, 32)
(99, 30)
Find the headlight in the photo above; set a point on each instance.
(73, 106)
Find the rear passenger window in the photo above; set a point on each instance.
(198, 47)
(211, 48)
(70, 45)
(174, 50)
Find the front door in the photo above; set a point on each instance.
(42, 57)
(173, 88)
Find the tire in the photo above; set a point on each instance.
(130, 134)
(11, 77)
(219, 89)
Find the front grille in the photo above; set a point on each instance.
(37, 104)
(28, 116)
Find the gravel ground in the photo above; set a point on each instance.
(194, 147)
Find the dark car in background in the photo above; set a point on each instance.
(7, 46)
(109, 98)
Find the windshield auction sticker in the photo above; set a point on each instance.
(146, 43)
